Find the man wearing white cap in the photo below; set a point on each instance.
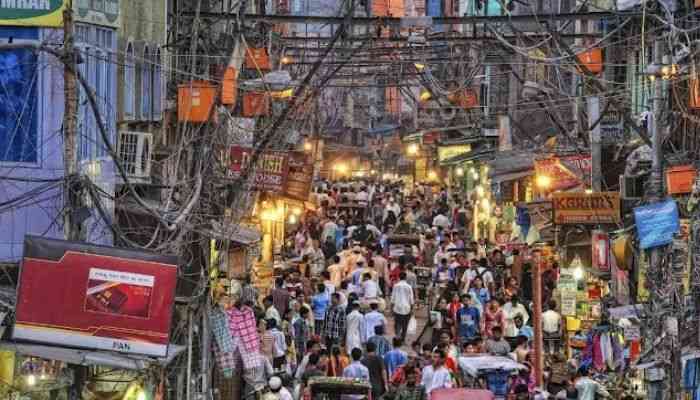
(277, 389)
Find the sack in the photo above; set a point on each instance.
(412, 326)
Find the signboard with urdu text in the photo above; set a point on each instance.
(270, 172)
(656, 223)
(95, 297)
(301, 173)
(48, 13)
(586, 208)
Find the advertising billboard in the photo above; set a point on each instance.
(657, 223)
(270, 171)
(586, 208)
(96, 297)
(48, 13)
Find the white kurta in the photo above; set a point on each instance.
(355, 326)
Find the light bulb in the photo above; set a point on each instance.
(31, 379)
(141, 395)
(459, 171)
(578, 273)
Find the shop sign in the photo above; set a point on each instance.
(586, 208)
(656, 223)
(568, 290)
(103, 12)
(565, 172)
(300, 175)
(95, 297)
(600, 254)
(270, 172)
(47, 13)
(445, 152)
(612, 127)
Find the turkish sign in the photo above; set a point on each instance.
(270, 170)
(301, 173)
(656, 223)
(565, 172)
(31, 13)
(445, 152)
(586, 208)
(96, 297)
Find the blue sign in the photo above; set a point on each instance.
(656, 223)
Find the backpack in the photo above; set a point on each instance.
(390, 218)
(462, 219)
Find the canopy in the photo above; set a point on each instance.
(474, 365)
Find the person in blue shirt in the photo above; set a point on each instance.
(478, 290)
(319, 305)
(395, 358)
(468, 320)
(523, 330)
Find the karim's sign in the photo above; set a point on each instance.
(47, 13)
(95, 297)
(586, 208)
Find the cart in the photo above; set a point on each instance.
(331, 388)
(486, 371)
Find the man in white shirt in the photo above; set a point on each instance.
(402, 305)
(552, 328)
(477, 270)
(436, 376)
(442, 221)
(329, 230)
(512, 309)
(372, 319)
(370, 288)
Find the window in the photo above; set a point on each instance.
(146, 84)
(129, 84)
(18, 106)
(157, 86)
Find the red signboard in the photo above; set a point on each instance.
(96, 297)
(270, 171)
(565, 172)
(301, 173)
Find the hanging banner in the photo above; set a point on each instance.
(47, 13)
(270, 172)
(586, 208)
(95, 297)
(300, 175)
(565, 172)
(600, 252)
(656, 223)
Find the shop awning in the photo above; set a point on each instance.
(235, 233)
(91, 357)
(510, 176)
(471, 156)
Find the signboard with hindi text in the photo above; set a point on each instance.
(48, 13)
(586, 208)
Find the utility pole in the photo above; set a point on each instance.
(596, 146)
(537, 317)
(71, 228)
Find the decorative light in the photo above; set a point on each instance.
(578, 273)
(543, 181)
(286, 60)
(432, 175)
(308, 146)
(31, 380)
(373, 172)
(475, 175)
(341, 168)
(459, 171)
(589, 191)
(412, 149)
(292, 219)
(480, 191)
(425, 95)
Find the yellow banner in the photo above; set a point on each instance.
(48, 13)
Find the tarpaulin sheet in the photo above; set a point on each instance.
(474, 365)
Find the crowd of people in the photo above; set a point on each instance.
(342, 292)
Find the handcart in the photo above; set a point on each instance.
(490, 372)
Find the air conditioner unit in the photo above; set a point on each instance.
(135, 149)
(631, 188)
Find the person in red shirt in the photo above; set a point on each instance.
(399, 376)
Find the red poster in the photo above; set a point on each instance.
(96, 297)
(270, 172)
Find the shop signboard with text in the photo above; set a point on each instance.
(95, 297)
(301, 173)
(657, 223)
(586, 208)
(448, 151)
(270, 170)
(565, 172)
(48, 13)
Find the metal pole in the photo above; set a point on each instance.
(190, 334)
(596, 147)
(206, 347)
(537, 319)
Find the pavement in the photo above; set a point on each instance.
(421, 318)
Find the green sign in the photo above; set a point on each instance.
(31, 12)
